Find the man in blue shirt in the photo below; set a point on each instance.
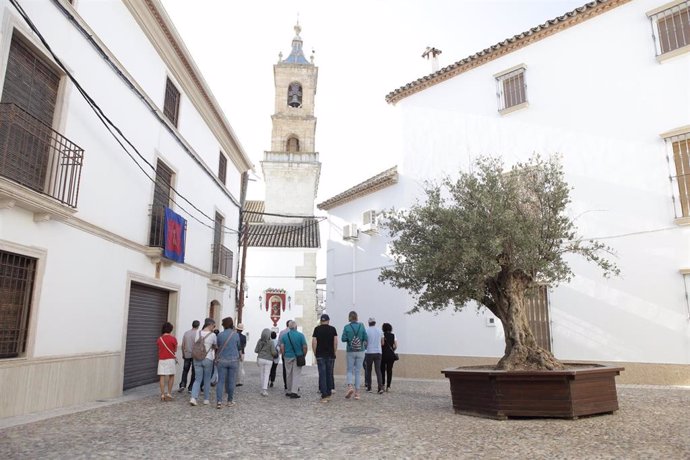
(293, 344)
(372, 356)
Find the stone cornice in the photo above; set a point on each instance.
(578, 15)
(156, 24)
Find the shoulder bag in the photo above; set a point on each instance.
(217, 358)
(166, 347)
(301, 361)
(395, 355)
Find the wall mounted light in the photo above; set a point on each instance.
(289, 303)
(260, 299)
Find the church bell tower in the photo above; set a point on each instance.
(291, 168)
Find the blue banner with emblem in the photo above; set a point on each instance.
(174, 230)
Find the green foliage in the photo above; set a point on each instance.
(483, 227)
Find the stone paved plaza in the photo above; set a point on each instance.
(415, 420)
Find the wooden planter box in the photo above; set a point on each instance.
(582, 390)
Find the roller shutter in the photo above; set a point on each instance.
(148, 310)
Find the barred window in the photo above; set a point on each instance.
(171, 107)
(511, 89)
(17, 274)
(678, 148)
(671, 27)
(222, 168)
(161, 200)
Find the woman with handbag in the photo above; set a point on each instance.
(388, 356)
(167, 362)
(265, 351)
(227, 362)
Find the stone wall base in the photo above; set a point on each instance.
(430, 366)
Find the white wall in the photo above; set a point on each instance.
(83, 304)
(600, 99)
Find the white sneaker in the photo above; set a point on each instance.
(192, 402)
(264, 393)
(206, 402)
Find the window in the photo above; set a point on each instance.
(161, 200)
(222, 167)
(292, 145)
(295, 95)
(171, 107)
(32, 154)
(537, 306)
(17, 274)
(679, 149)
(222, 256)
(671, 27)
(511, 89)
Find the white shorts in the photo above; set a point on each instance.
(166, 367)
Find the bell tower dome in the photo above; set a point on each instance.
(291, 168)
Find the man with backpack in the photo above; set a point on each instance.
(355, 335)
(203, 355)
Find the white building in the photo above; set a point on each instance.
(596, 87)
(84, 283)
(283, 236)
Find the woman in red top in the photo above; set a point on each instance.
(167, 347)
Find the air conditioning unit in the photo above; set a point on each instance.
(350, 232)
(370, 222)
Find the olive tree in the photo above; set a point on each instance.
(489, 237)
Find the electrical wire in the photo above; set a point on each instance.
(110, 125)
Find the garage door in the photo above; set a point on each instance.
(148, 310)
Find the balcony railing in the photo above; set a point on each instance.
(157, 226)
(300, 157)
(38, 157)
(222, 261)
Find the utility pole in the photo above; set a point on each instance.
(243, 267)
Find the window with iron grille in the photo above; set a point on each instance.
(171, 106)
(222, 167)
(511, 89)
(678, 148)
(222, 256)
(161, 200)
(17, 274)
(671, 27)
(537, 306)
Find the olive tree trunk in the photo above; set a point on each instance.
(521, 351)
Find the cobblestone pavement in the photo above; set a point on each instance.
(415, 420)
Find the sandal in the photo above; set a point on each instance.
(168, 397)
(162, 398)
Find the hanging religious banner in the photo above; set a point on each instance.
(275, 304)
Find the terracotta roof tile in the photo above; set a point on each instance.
(550, 27)
(301, 235)
(379, 181)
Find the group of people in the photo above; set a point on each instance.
(211, 355)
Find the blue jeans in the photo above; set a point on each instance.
(325, 366)
(355, 359)
(204, 368)
(227, 376)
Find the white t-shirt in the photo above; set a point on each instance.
(209, 341)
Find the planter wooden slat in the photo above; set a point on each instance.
(569, 393)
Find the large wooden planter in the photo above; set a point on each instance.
(579, 390)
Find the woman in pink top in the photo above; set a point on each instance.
(167, 347)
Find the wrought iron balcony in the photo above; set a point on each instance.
(222, 261)
(157, 226)
(36, 156)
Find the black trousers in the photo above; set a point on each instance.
(284, 374)
(387, 372)
(372, 360)
(185, 370)
(272, 375)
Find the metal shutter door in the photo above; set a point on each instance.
(148, 310)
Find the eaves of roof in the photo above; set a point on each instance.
(300, 235)
(379, 181)
(574, 17)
